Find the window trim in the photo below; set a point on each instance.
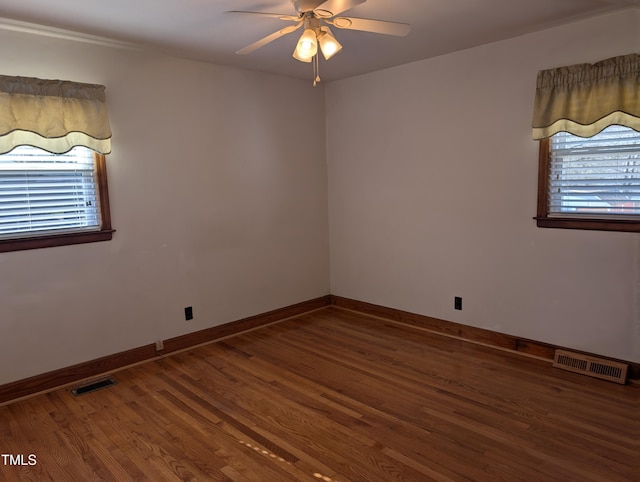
(105, 233)
(543, 219)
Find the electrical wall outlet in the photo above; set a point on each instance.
(457, 303)
(159, 345)
(188, 313)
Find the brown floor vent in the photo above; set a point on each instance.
(594, 367)
(93, 386)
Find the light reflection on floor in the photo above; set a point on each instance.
(280, 459)
(263, 451)
(323, 477)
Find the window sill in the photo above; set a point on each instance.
(37, 242)
(623, 225)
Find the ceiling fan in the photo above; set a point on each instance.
(315, 16)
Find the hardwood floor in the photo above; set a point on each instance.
(331, 396)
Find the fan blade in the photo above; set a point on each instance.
(368, 25)
(279, 16)
(336, 7)
(269, 38)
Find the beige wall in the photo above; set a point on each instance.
(219, 198)
(432, 190)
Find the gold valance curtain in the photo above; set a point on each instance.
(583, 99)
(54, 115)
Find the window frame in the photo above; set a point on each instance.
(543, 220)
(105, 233)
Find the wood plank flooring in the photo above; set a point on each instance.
(332, 396)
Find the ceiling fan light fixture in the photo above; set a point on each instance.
(328, 43)
(307, 46)
(313, 16)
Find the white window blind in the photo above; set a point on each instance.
(43, 193)
(595, 176)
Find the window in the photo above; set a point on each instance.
(52, 199)
(54, 135)
(590, 183)
(587, 119)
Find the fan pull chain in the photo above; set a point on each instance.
(316, 70)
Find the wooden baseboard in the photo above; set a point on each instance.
(204, 336)
(65, 376)
(478, 335)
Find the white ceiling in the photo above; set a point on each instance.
(201, 30)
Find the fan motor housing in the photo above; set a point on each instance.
(304, 5)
